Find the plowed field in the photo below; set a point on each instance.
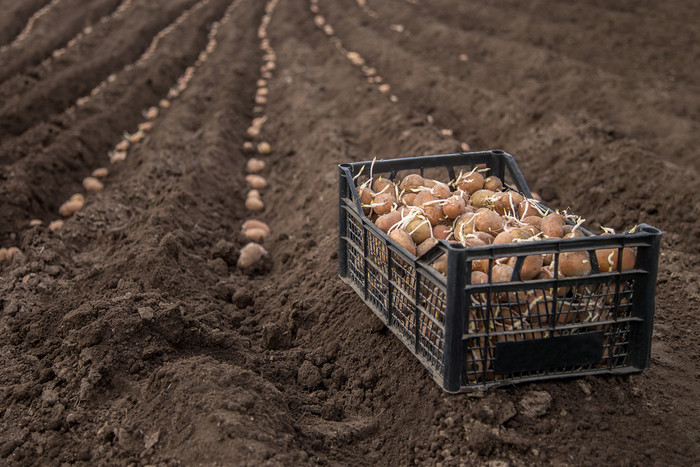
(129, 336)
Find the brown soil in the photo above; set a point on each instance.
(131, 337)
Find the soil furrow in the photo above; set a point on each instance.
(20, 82)
(15, 17)
(623, 30)
(39, 181)
(51, 31)
(60, 88)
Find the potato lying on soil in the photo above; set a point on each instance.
(73, 205)
(255, 224)
(92, 185)
(255, 165)
(256, 181)
(250, 255)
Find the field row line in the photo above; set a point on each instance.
(122, 8)
(30, 24)
(94, 183)
(145, 56)
(370, 73)
(253, 229)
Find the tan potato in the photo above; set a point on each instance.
(473, 240)
(102, 172)
(255, 165)
(264, 148)
(535, 221)
(152, 113)
(255, 224)
(608, 259)
(441, 231)
(480, 265)
(553, 226)
(532, 265)
(386, 221)
(419, 229)
(404, 239)
(493, 183)
(425, 246)
(487, 238)
(453, 207)
(365, 195)
(574, 263)
(3, 254)
(481, 198)
(431, 208)
(56, 225)
(92, 185)
(503, 237)
(145, 126)
(250, 254)
(70, 207)
(254, 194)
(429, 182)
(137, 137)
(524, 233)
(256, 181)
(441, 264)
(501, 273)
(383, 185)
(441, 190)
(35, 222)
(527, 209)
(424, 196)
(471, 182)
(465, 196)
(383, 203)
(489, 221)
(256, 235)
(411, 182)
(479, 277)
(122, 145)
(254, 204)
(507, 202)
(464, 225)
(409, 199)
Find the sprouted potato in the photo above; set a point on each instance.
(472, 210)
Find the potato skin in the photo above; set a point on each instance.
(404, 239)
(553, 226)
(471, 182)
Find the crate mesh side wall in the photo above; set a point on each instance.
(355, 257)
(432, 304)
(540, 313)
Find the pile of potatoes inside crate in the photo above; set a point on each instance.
(477, 210)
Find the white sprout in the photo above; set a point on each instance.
(358, 173)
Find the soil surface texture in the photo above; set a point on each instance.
(130, 335)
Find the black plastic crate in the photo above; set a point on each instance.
(477, 336)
